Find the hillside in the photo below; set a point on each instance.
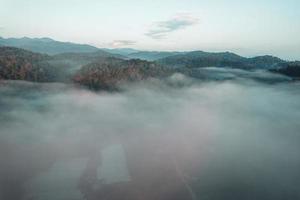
(109, 73)
(291, 69)
(19, 64)
(15, 62)
(198, 59)
(46, 45)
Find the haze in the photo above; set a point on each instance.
(173, 139)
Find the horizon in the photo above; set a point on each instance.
(248, 28)
(143, 50)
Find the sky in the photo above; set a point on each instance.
(248, 27)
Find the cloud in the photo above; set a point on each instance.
(216, 134)
(178, 22)
(120, 43)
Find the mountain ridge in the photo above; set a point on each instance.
(198, 59)
(46, 45)
(21, 64)
(50, 46)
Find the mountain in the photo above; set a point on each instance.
(152, 55)
(81, 54)
(103, 70)
(265, 62)
(197, 59)
(19, 64)
(291, 69)
(97, 70)
(143, 55)
(109, 73)
(69, 63)
(86, 56)
(121, 51)
(46, 45)
(80, 59)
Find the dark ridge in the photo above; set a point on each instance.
(19, 64)
(291, 69)
(110, 73)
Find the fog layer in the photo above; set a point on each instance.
(174, 139)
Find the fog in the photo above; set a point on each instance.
(174, 139)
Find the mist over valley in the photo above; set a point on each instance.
(148, 100)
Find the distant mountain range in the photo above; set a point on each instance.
(153, 55)
(174, 59)
(121, 51)
(46, 60)
(198, 59)
(46, 45)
